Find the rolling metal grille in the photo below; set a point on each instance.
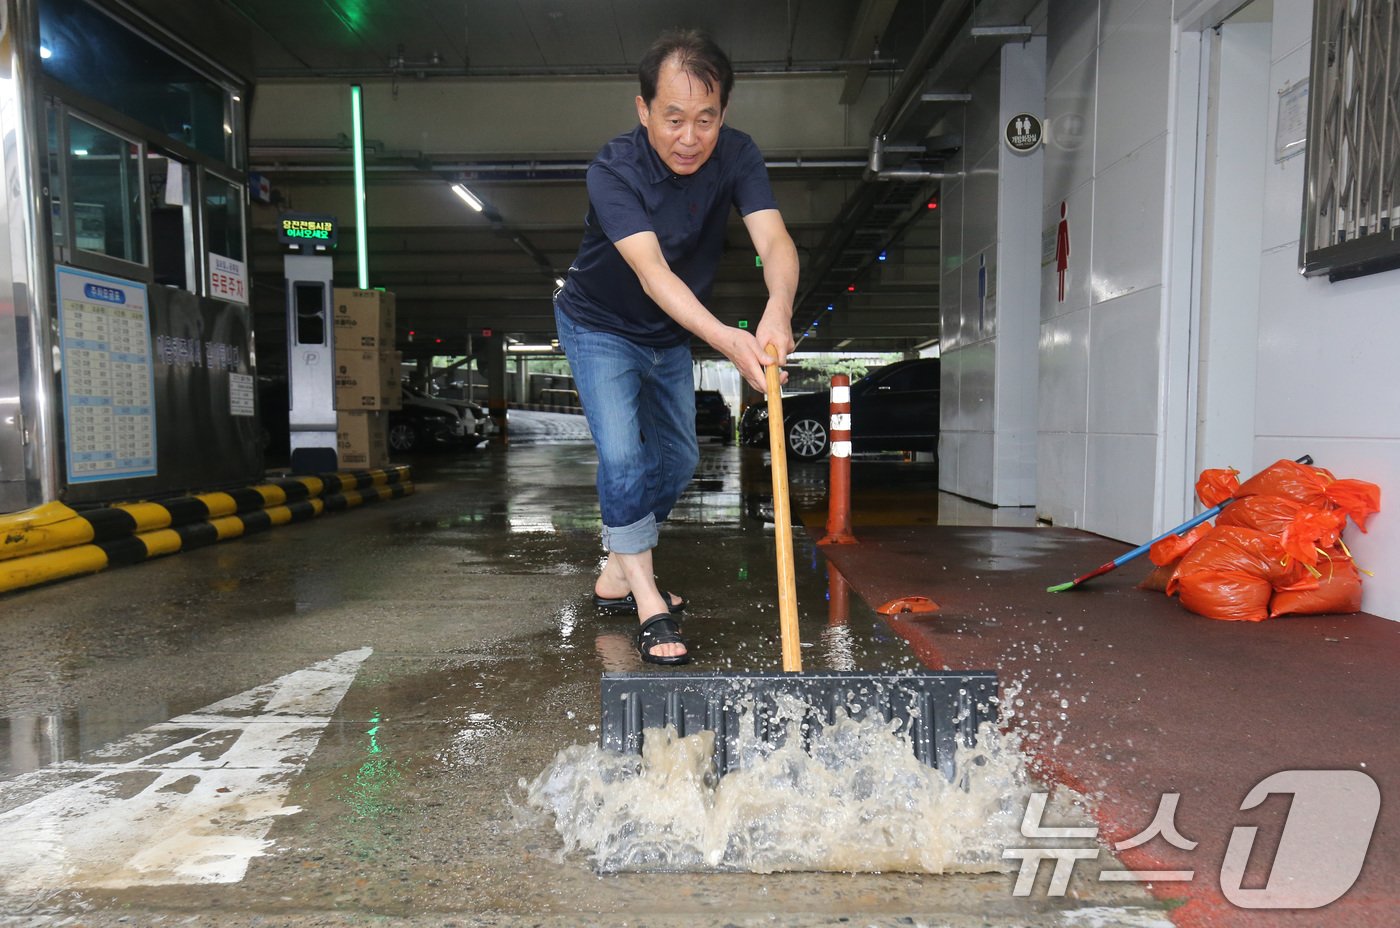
(1351, 210)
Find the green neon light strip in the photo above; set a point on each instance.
(361, 233)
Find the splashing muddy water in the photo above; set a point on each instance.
(857, 800)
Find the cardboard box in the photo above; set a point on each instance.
(391, 379)
(364, 319)
(362, 439)
(358, 381)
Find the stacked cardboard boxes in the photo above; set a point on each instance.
(362, 439)
(366, 375)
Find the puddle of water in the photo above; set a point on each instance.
(860, 801)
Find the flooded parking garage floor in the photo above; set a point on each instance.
(335, 723)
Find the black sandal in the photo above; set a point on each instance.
(658, 630)
(628, 603)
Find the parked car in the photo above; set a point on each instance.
(893, 408)
(422, 425)
(476, 425)
(712, 416)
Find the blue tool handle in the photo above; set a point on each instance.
(1189, 524)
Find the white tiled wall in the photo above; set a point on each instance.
(1136, 52)
(1327, 362)
(1101, 347)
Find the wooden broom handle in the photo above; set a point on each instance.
(782, 522)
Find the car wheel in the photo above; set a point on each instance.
(807, 438)
(403, 437)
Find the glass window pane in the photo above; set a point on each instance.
(172, 244)
(105, 175)
(223, 216)
(97, 56)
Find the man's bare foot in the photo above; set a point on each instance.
(636, 571)
(612, 585)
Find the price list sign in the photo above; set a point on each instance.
(108, 377)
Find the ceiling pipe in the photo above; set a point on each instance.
(910, 83)
(910, 88)
(875, 167)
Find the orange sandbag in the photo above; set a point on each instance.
(1231, 574)
(1174, 547)
(1338, 590)
(1157, 579)
(1167, 554)
(1271, 514)
(1301, 483)
(1216, 485)
(1357, 498)
(1311, 531)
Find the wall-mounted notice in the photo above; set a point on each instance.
(240, 395)
(108, 378)
(228, 279)
(1291, 134)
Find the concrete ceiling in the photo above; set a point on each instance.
(513, 97)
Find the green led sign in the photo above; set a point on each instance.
(301, 229)
(743, 323)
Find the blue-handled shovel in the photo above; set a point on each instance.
(1146, 546)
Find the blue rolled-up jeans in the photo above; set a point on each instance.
(640, 406)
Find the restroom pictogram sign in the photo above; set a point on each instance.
(1024, 132)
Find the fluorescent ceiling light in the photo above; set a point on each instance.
(467, 196)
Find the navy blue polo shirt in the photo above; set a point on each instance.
(631, 190)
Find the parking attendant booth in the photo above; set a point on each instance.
(127, 362)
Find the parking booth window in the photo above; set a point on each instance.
(87, 50)
(172, 221)
(104, 180)
(223, 217)
(145, 154)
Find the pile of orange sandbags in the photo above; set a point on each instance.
(1276, 548)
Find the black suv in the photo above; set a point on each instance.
(893, 408)
(712, 416)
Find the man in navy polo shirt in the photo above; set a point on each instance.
(659, 200)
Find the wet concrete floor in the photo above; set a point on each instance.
(331, 723)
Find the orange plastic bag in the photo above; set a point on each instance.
(1270, 514)
(1216, 485)
(1231, 574)
(1174, 547)
(1357, 498)
(1167, 554)
(1312, 530)
(1338, 590)
(1301, 483)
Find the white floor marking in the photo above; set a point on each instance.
(185, 801)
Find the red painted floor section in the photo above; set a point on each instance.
(1125, 696)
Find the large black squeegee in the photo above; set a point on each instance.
(938, 710)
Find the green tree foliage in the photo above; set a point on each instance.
(815, 373)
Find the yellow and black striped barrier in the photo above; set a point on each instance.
(54, 541)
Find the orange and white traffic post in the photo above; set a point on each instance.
(838, 519)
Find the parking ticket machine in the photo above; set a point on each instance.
(310, 341)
